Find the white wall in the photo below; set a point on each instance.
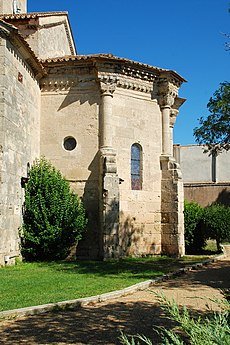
(198, 166)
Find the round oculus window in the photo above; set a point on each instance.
(69, 143)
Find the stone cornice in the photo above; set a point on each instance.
(113, 80)
(124, 73)
(20, 16)
(138, 73)
(127, 76)
(161, 85)
(59, 84)
(107, 82)
(136, 85)
(106, 62)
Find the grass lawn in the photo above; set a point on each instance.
(30, 284)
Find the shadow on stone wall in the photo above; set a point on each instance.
(73, 97)
(224, 197)
(130, 234)
(89, 246)
(128, 238)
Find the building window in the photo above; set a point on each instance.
(136, 167)
(69, 143)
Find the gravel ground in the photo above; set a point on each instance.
(101, 323)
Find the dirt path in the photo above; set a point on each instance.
(137, 313)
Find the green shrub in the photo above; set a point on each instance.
(217, 223)
(195, 238)
(54, 217)
(210, 330)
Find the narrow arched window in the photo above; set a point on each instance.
(136, 167)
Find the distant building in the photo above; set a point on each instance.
(106, 122)
(206, 177)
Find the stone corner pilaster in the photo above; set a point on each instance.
(172, 207)
(109, 203)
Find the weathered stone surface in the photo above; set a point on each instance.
(10, 6)
(20, 142)
(84, 114)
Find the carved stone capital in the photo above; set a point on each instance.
(107, 89)
(167, 92)
(108, 84)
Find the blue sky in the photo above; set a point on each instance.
(182, 35)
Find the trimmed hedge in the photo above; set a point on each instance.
(195, 237)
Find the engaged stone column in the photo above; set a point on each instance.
(109, 181)
(107, 91)
(172, 198)
(166, 97)
(166, 135)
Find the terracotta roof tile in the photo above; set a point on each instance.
(30, 15)
(98, 56)
(112, 58)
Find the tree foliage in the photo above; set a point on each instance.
(212, 222)
(216, 218)
(214, 131)
(54, 217)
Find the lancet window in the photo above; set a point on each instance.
(136, 167)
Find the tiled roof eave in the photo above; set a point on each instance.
(111, 58)
(14, 36)
(32, 15)
(99, 57)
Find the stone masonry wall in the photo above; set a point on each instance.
(6, 6)
(106, 112)
(41, 34)
(71, 109)
(137, 119)
(49, 29)
(19, 141)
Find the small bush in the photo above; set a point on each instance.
(217, 223)
(195, 238)
(211, 330)
(54, 217)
